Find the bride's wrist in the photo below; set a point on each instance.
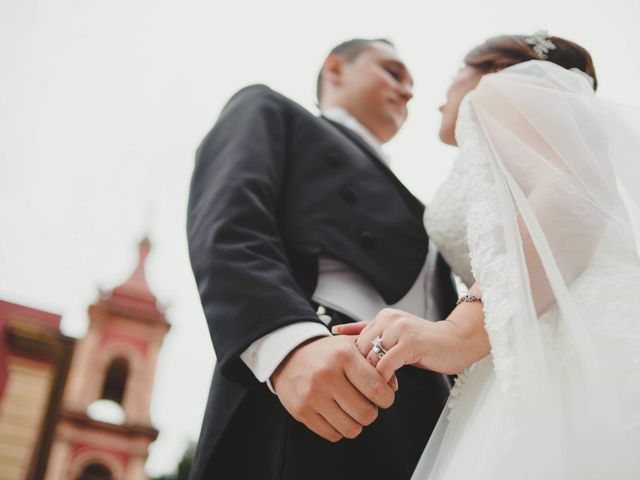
(444, 348)
(466, 330)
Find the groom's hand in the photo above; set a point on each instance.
(329, 386)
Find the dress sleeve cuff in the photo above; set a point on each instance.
(265, 354)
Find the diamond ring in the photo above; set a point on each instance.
(378, 348)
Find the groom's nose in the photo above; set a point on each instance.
(406, 92)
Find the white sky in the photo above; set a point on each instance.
(102, 105)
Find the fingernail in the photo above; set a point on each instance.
(334, 329)
(394, 384)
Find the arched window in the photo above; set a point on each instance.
(116, 380)
(95, 471)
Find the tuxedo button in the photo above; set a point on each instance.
(348, 195)
(333, 159)
(367, 240)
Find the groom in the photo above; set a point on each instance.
(295, 224)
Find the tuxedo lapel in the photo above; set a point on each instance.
(413, 203)
(357, 139)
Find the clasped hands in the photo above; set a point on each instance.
(335, 385)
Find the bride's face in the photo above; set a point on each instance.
(466, 80)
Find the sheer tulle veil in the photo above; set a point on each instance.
(553, 225)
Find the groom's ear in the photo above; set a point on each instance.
(332, 69)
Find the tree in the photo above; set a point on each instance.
(184, 466)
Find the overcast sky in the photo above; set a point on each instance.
(102, 105)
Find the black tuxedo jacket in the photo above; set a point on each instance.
(274, 187)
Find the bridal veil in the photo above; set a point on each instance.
(553, 224)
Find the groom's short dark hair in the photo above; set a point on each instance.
(350, 50)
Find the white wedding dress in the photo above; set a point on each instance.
(540, 210)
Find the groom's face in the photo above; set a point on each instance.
(376, 89)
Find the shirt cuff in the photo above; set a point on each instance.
(265, 354)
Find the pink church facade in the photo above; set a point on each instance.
(101, 428)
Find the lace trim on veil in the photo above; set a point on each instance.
(494, 272)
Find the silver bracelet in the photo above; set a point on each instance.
(469, 297)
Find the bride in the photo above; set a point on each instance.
(539, 218)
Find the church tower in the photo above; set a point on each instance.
(104, 429)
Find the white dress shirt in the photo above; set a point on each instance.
(339, 287)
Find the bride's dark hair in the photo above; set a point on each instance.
(506, 50)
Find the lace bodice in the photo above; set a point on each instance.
(445, 223)
(444, 217)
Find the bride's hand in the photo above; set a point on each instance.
(349, 328)
(408, 340)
